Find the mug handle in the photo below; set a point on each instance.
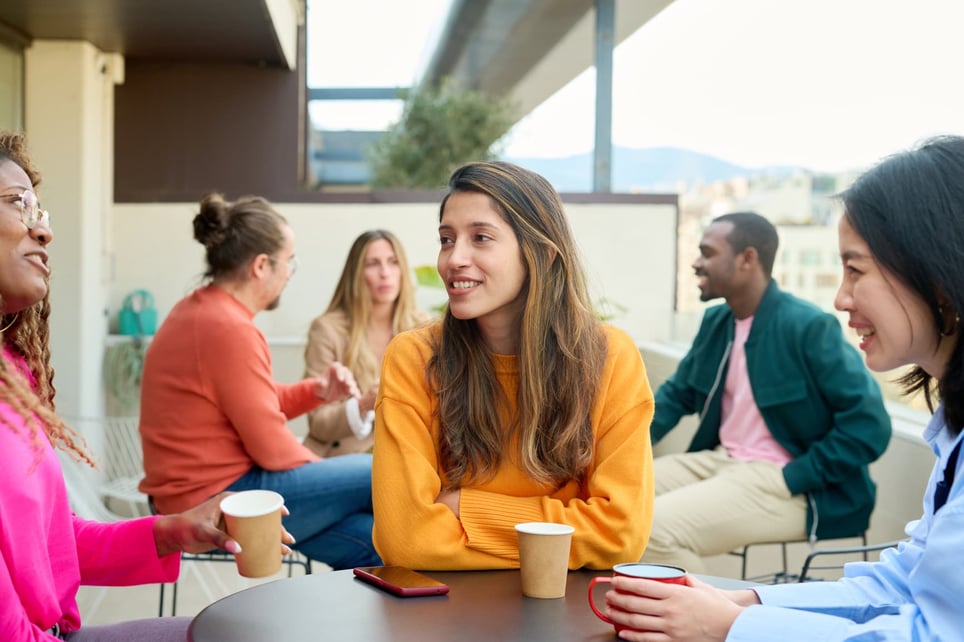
(592, 583)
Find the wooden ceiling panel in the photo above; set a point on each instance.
(197, 30)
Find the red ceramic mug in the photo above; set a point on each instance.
(657, 572)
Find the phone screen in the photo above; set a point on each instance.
(401, 580)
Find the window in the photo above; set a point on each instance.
(352, 92)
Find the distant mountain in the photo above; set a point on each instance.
(649, 169)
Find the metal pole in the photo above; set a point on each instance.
(603, 150)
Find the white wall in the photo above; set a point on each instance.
(69, 125)
(629, 253)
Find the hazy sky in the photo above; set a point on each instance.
(826, 84)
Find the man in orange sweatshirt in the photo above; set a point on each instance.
(213, 418)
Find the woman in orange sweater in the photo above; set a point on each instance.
(519, 405)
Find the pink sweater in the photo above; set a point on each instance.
(47, 552)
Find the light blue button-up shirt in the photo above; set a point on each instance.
(913, 593)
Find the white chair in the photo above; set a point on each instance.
(86, 502)
(124, 465)
(113, 495)
(124, 469)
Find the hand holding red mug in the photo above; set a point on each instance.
(638, 570)
(691, 610)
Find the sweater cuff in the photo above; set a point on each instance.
(360, 426)
(489, 520)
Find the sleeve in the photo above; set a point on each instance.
(15, 624)
(239, 369)
(861, 427)
(912, 593)
(296, 398)
(122, 553)
(329, 421)
(611, 510)
(410, 528)
(675, 399)
(360, 426)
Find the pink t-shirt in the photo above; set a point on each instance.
(743, 432)
(46, 551)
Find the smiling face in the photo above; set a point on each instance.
(23, 259)
(381, 272)
(894, 323)
(716, 265)
(481, 264)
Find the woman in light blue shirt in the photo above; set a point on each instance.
(902, 249)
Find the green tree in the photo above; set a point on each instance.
(440, 128)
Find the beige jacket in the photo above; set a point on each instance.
(328, 430)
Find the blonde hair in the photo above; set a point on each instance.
(353, 299)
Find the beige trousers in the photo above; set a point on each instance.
(708, 503)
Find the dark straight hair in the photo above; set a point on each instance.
(910, 211)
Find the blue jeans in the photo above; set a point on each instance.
(330, 502)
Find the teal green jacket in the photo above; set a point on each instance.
(814, 393)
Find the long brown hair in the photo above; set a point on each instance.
(562, 348)
(27, 333)
(352, 299)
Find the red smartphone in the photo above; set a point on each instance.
(400, 580)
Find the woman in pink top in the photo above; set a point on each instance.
(47, 552)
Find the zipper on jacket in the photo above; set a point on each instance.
(716, 382)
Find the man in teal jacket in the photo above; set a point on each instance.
(790, 418)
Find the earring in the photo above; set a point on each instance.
(16, 315)
(953, 329)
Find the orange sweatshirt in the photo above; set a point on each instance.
(611, 511)
(210, 410)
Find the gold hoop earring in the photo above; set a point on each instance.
(16, 315)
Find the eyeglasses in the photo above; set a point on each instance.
(292, 264)
(30, 212)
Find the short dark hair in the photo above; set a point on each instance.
(752, 230)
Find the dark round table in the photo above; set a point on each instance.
(481, 605)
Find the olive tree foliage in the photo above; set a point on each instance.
(441, 128)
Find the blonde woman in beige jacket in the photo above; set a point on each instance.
(373, 301)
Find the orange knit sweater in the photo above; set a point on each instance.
(611, 511)
(210, 410)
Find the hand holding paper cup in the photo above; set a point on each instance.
(253, 518)
(657, 572)
(544, 558)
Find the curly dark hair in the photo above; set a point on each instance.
(27, 333)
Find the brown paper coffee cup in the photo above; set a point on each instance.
(544, 558)
(253, 518)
